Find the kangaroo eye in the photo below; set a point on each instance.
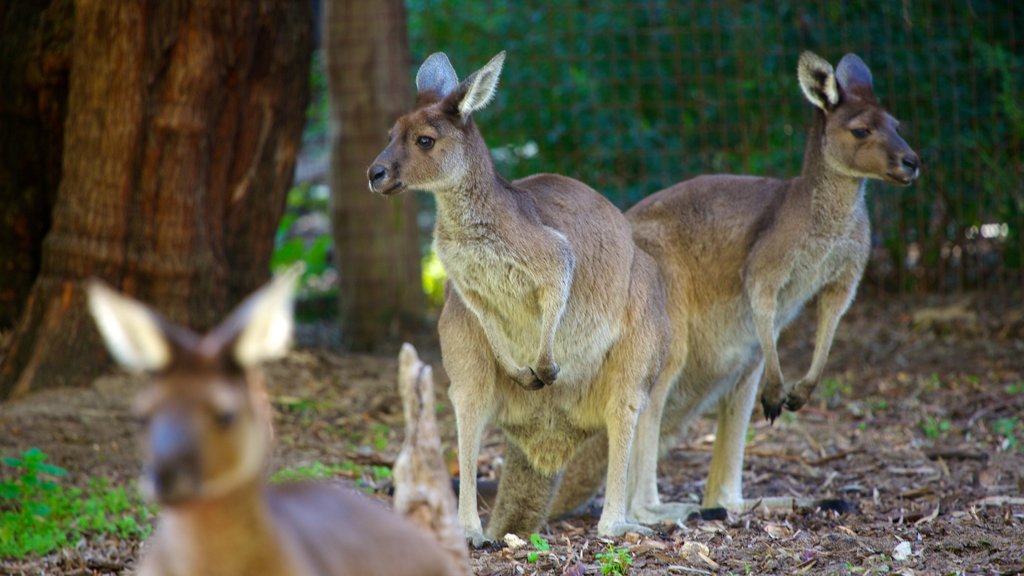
(425, 142)
(224, 419)
(860, 133)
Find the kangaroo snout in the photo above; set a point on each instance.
(911, 165)
(376, 174)
(173, 472)
(382, 180)
(907, 170)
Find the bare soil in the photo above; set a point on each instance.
(914, 427)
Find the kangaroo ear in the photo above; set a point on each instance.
(260, 329)
(854, 77)
(477, 90)
(132, 332)
(818, 81)
(437, 75)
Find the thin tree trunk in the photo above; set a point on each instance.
(35, 57)
(376, 239)
(183, 125)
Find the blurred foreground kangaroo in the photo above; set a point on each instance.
(553, 323)
(740, 256)
(206, 446)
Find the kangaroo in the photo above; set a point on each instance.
(740, 256)
(553, 324)
(206, 441)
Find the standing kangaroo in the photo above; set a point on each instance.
(206, 442)
(740, 256)
(553, 323)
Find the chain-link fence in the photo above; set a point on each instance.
(632, 97)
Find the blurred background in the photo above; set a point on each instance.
(182, 192)
(631, 97)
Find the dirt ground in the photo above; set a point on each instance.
(918, 425)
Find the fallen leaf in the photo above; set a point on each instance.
(513, 541)
(697, 552)
(776, 531)
(902, 551)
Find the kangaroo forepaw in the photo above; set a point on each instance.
(772, 407)
(773, 397)
(795, 401)
(799, 394)
(547, 372)
(528, 379)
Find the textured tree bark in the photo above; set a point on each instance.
(183, 124)
(35, 57)
(376, 239)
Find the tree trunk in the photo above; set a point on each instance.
(184, 121)
(35, 57)
(376, 241)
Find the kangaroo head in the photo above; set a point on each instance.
(204, 415)
(861, 139)
(433, 147)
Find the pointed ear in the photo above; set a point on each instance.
(132, 332)
(477, 90)
(854, 77)
(818, 81)
(437, 75)
(260, 329)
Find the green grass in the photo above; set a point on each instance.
(1007, 428)
(39, 515)
(539, 545)
(321, 471)
(935, 428)
(614, 560)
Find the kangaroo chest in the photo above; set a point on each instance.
(495, 284)
(820, 260)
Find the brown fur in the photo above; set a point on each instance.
(554, 323)
(740, 256)
(206, 444)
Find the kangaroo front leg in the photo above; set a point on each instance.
(833, 302)
(554, 282)
(763, 298)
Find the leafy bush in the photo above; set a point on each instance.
(38, 515)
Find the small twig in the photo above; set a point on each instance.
(1000, 501)
(104, 564)
(836, 456)
(930, 517)
(955, 454)
(685, 569)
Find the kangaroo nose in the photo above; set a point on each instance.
(911, 163)
(376, 173)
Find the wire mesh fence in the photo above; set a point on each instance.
(632, 97)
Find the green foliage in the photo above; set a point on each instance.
(315, 471)
(1015, 388)
(633, 97)
(1008, 429)
(291, 247)
(433, 279)
(539, 545)
(367, 477)
(934, 428)
(39, 515)
(614, 560)
(833, 389)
